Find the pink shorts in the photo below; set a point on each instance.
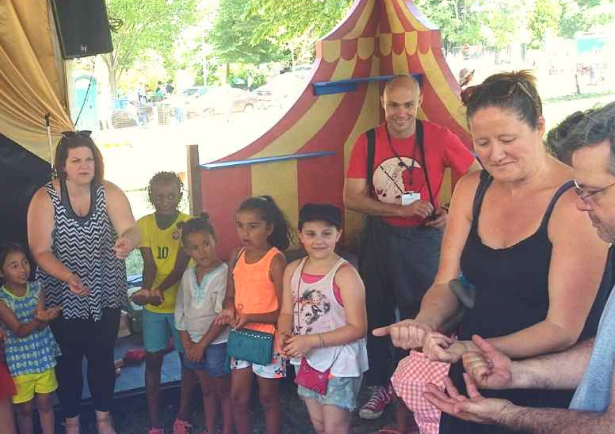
(7, 386)
(410, 380)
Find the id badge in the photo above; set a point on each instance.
(409, 198)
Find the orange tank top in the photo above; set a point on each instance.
(254, 290)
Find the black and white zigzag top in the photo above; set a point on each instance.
(84, 246)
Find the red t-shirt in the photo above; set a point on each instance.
(391, 178)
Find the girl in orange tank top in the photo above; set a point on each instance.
(253, 300)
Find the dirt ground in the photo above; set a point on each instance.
(295, 416)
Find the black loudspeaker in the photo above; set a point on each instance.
(83, 27)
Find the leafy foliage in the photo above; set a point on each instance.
(460, 21)
(145, 25)
(544, 17)
(296, 25)
(581, 15)
(233, 35)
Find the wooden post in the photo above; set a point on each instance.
(194, 180)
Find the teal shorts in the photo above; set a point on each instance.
(157, 329)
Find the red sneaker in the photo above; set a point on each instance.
(374, 407)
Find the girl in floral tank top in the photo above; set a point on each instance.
(31, 350)
(323, 320)
(253, 299)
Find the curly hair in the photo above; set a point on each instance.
(166, 177)
(595, 127)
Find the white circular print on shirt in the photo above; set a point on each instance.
(392, 179)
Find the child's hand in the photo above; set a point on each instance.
(2, 334)
(141, 297)
(194, 352)
(226, 317)
(282, 340)
(156, 297)
(300, 345)
(53, 312)
(46, 315)
(241, 319)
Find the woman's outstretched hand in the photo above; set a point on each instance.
(408, 334)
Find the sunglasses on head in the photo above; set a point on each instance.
(73, 134)
(498, 89)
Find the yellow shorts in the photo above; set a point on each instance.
(29, 384)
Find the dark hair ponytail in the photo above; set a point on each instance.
(281, 236)
(196, 224)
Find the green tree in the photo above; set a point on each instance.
(494, 23)
(143, 25)
(503, 22)
(233, 35)
(460, 21)
(296, 25)
(544, 17)
(581, 15)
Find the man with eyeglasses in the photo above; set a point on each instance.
(394, 178)
(588, 366)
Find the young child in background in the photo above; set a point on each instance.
(323, 320)
(31, 350)
(7, 390)
(199, 301)
(253, 300)
(163, 265)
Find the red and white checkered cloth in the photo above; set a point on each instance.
(410, 380)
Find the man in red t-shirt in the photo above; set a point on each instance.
(400, 245)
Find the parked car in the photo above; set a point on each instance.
(281, 91)
(225, 100)
(189, 100)
(194, 92)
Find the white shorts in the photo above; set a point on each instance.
(276, 369)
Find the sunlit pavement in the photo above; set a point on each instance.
(133, 155)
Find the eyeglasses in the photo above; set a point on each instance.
(73, 134)
(500, 89)
(587, 196)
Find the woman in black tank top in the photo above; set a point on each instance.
(514, 232)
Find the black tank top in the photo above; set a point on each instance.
(511, 283)
(512, 294)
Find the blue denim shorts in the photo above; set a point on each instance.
(341, 392)
(214, 361)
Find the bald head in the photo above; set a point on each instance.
(404, 81)
(401, 100)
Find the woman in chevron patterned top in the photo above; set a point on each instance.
(80, 230)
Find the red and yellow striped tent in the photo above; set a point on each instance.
(303, 157)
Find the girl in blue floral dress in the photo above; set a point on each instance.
(31, 350)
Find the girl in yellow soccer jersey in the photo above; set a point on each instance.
(163, 265)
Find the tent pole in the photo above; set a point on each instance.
(48, 126)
